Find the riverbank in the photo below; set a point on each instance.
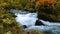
(8, 24)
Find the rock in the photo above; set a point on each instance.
(48, 17)
(24, 26)
(38, 23)
(34, 32)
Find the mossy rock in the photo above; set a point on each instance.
(49, 17)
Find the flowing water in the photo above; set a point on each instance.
(26, 19)
(29, 19)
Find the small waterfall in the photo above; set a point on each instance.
(28, 19)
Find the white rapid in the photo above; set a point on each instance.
(28, 19)
(50, 23)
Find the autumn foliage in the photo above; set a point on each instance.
(42, 2)
(32, 1)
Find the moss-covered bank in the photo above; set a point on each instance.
(8, 24)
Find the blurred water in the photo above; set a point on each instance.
(26, 19)
(29, 19)
(50, 23)
(45, 29)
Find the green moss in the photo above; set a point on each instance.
(8, 24)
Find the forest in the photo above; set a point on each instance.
(48, 10)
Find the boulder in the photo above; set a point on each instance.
(48, 17)
(24, 26)
(38, 23)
